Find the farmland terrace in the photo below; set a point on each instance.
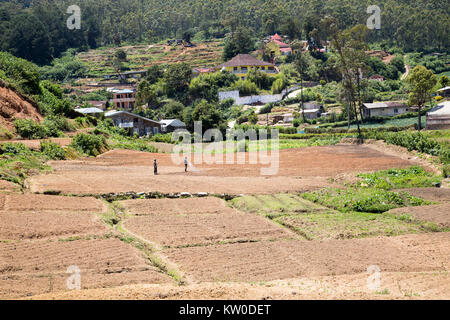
(271, 243)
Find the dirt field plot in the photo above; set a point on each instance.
(439, 214)
(432, 194)
(37, 202)
(41, 216)
(36, 267)
(264, 261)
(181, 222)
(175, 206)
(277, 204)
(38, 225)
(122, 171)
(194, 229)
(394, 285)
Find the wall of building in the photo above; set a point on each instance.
(249, 99)
(387, 112)
(136, 125)
(438, 123)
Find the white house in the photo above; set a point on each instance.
(384, 109)
(438, 118)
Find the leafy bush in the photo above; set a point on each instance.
(22, 74)
(59, 122)
(52, 151)
(413, 141)
(90, 144)
(245, 87)
(14, 149)
(413, 177)
(371, 200)
(30, 129)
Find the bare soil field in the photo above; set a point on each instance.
(123, 171)
(265, 261)
(7, 187)
(43, 224)
(183, 222)
(182, 230)
(36, 202)
(175, 206)
(439, 214)
(33, 216)
(393, 285)
(431, 194)
(29, 268)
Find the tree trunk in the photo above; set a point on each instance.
(419, 119)
(301, 99)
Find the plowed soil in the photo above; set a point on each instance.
(182, 222)
(265, 261)
(432, 194)
(37, 225)
(175, 206)
(28, 268)
(123, 171)
(33, 202)
(439, 214)
(399, 285)
(41, 216)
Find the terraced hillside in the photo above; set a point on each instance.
(140, 57)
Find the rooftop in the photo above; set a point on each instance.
(88, 110)
(442, 109)
(384, 105)
(117, 112)
(244, 60)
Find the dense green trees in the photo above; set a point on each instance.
(38, 32)
(238, 42)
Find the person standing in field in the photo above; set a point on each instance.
(185, 164)
(155, 167)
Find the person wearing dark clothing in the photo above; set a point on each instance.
(155, 167)
(185, 164)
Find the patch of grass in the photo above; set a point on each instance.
(384, 291)
(413, 177)
(358, 199)
(273, 205)
(17, 162)
(348, 225)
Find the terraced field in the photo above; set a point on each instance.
(168, 240)
(99, 61)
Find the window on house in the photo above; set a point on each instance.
(395, 110)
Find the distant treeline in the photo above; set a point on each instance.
(36, 29)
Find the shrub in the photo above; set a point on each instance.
(14, 149)
(52, 151)
(245, 87)
(30, 129)
(446, 171)
(90, 144)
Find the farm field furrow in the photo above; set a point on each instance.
(34, 267)
(265, 261)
